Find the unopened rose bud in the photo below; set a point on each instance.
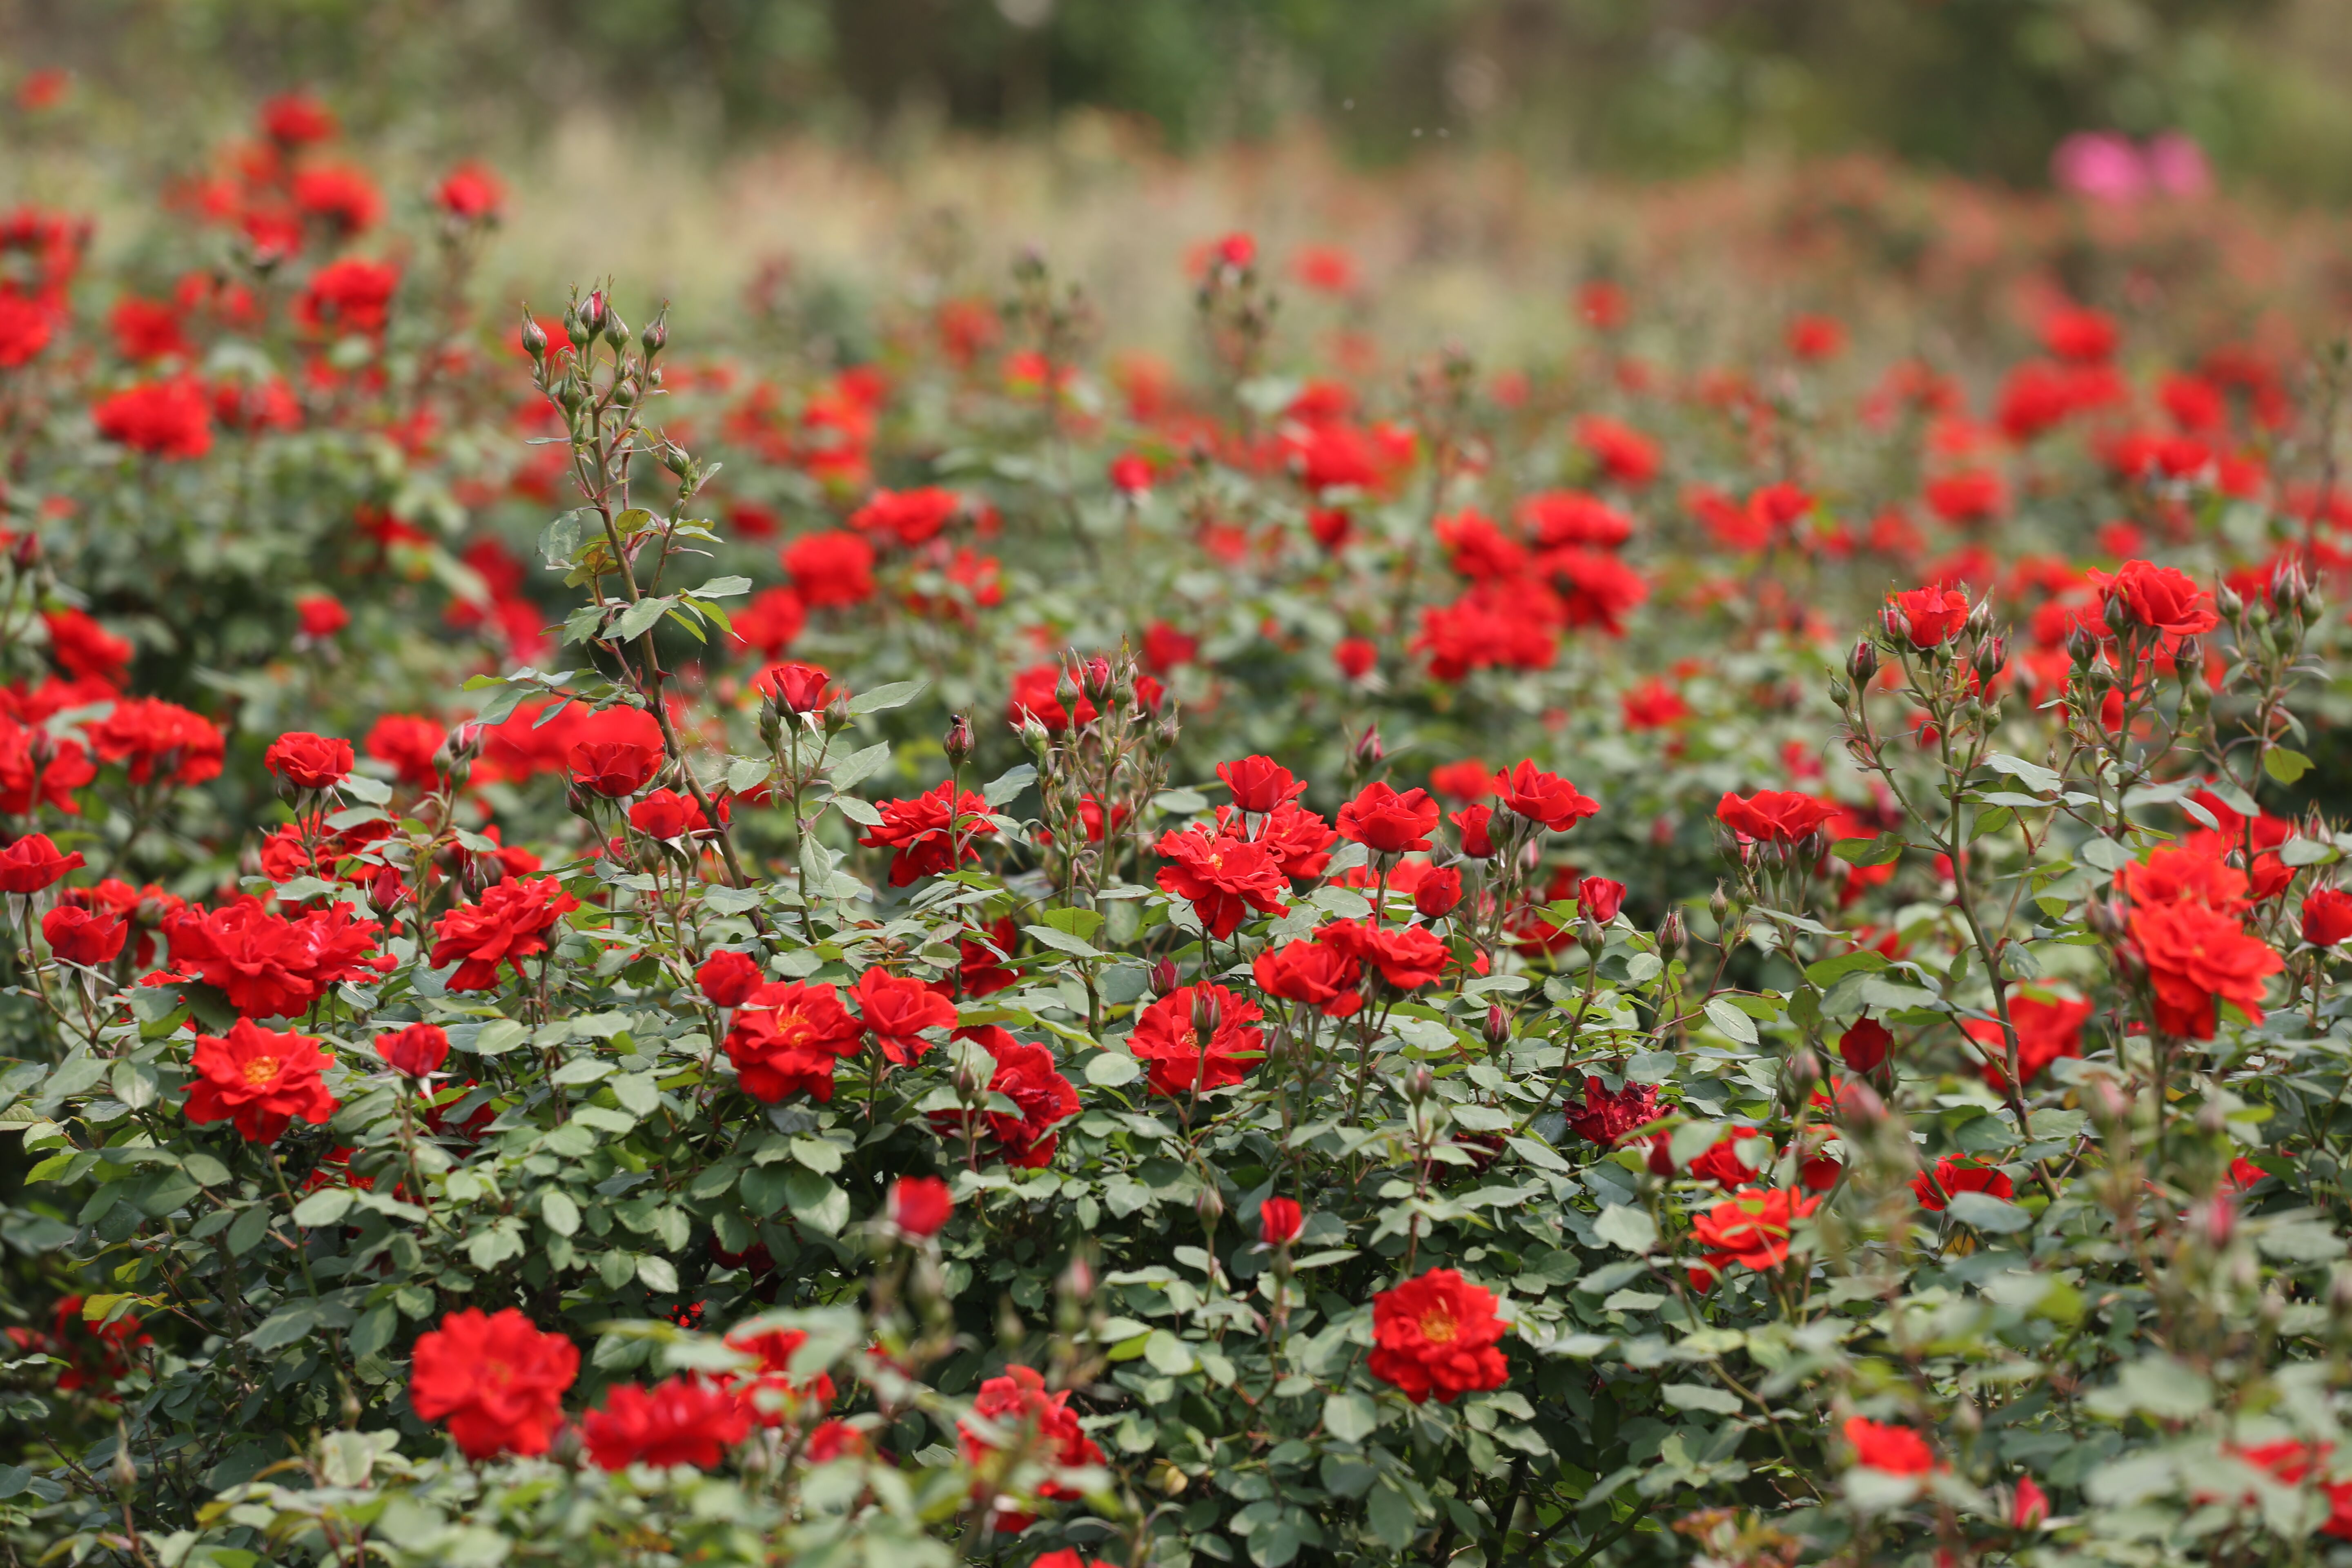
(1078, 1282)
(2118, 615)
(576, 328)
(1498, 1026)
(2082, 647)
(534, 338)
(385, 891)
(656, 337)
(25, 552)
(1420, 1083)
(1804, 1069)
(1590, 936)
(616, 330)
(1672, 936)
(2109, 1103)
(958, 743)
(1210, 1205)
(1718, 904)
(1164, 981)
(1861, 664)
(1979, 620)
(1992, 653)
(1894, 624)
(837, 716)
(970, 1083)
(1368, 751)
(2226, 600)
(1860, 1106)
(1095, 674)
(1840, 692)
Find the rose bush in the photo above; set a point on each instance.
(1223, 1004)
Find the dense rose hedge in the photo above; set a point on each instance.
(644, 952)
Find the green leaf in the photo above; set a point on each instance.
(1109, 1069)
(561, 1214)
(1168, 1354)
(1351, 1417)
(323, 1207)
(763, 1188)
(1700, 1396)
(816, 1202)
(2286, 765)
(1628, 1228)
(1726, 1016)
(639, 618)
(723, 588)
(498, 1035)
(897, 694)
(1883, 850)
(817, 1154)
(289, 1325)
(374, 1330)
(2033, 775)
(1062, 941)
(659, 1275)
(1982, 1211)
(1007, 785)
(1391, 1515)
(1830, 971)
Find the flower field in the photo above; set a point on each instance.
(984, 912)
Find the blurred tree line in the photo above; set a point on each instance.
(1632, 87)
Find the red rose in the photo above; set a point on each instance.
(320, 616)
(2161, 599)
(1751, 1228)
(1407, 957)
(1780, 816)
(665, 814)
(1544, 798)
(2195, 957)
(1438, 894)
(1198, 1037)
(307, 761)
(497, 1380)
(1043, 1098)
(614, 768)
(1016, 1407)
(680, 1421)
(1601, 898)
(38, 770)
(932, 833)
(159, 740)
(1897, 1450)
(511, 924)
(84, 649)
(1474, 822)
(408, 741)
(1951, 1177)
(259, 1079)
(1604, 1118)
(897, 1010)
(786, 1039)
(2327, 916)
(831, 568)
(832, 1440)
(1384, 821)
(1929, 617)
(169, 419)
(2046, 1031)
(1278, 1222)
(1866, 1045)
(1314, 972)
(912, 517)
(470, 193)
(1300, 840)
(1259, 783)
(802, 687)
(87, 937)
(1221, 876)
(771, 1396)
(1437, 1334)
(269, 966)
(1355, 656)
(727, 978)
(33, 863)
(919, 1205)
(417, 1050)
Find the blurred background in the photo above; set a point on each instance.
(1475, 162)
(1619, 88)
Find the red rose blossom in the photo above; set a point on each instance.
(1278, 1222)
(417, 1051)
(87, 937)
(1198, 1037)
(683, 1420)
(307, 761)
(1937, 1188)
(727, 978)
(919, 1205)
(33, 863)
(495, 1379)
(1387, 823)
(614, 768)
(897, 1010)
(1896, 1450)
(1437, 1334)
(511, 923)
(2161, 599)
(259, 1079)
(786, 1037)
(1779, 816)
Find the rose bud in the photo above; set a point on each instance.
(1278, 1222)
(919, 1205)
(416, 1051)
(727, 978)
